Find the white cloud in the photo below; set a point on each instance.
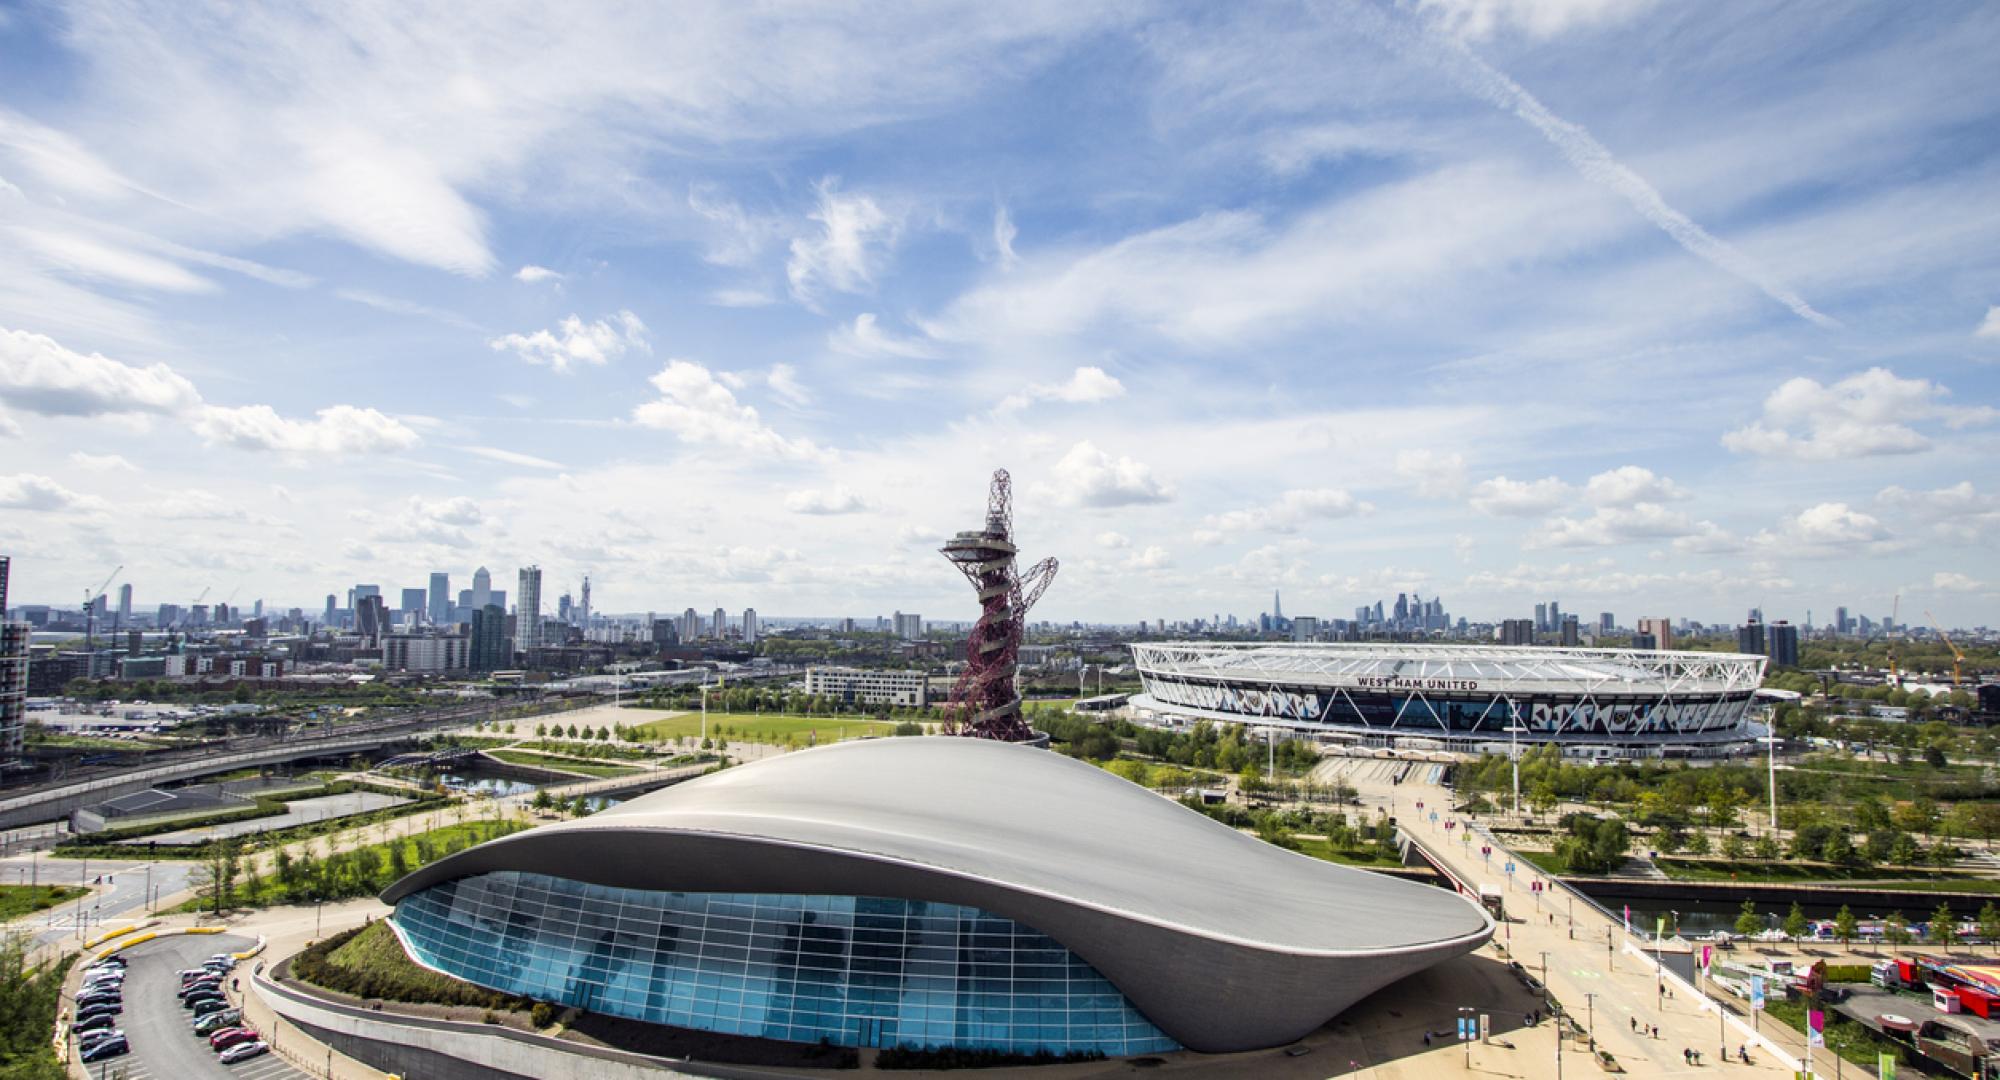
(1630, 484)
(697, 408)
(866, 339)
(575, 342)
(1859, 416)
(101, 462)
(400, 306)
(1289, 513)
(1959, 513)
(10, 428)
(1614, 525)
(1708, 538)
(783, 379)
(1536, 18)
(847, 249)
(1003, 237)
(1113, 540)
(510, 457)
(341, 429)
(741, 298)
(28, 491)
(1152, 558)
(41, 376)
(1827, 530)
(1436, 475)
(1990, 327)
(837, 500)
(1519, 498)
(535, 275)
(1086, 385)
(1087, 476)
(92, 257)
(1951, 581)
(454, 510)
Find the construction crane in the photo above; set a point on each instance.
(1957, 657)
(90, 610)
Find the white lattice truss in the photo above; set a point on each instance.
(1506, 675)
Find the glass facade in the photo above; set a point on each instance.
(1598, 714)
(855, 971)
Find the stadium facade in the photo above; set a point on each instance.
(1463, 696)
(937, 892)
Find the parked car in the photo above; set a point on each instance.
(109, 1009)
(194, 988)
(228, 1037)
(244, 1051)
(193, 1000)
(225, 959)
(189, 974)
(209, 1005)
(95, 1023)
(92, 1037)
(211, 1023)
(103, 997)
(109, 1048)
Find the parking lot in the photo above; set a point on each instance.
(164, 1046)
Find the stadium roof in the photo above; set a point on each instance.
(1394, 665)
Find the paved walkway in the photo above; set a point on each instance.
(1582, 954)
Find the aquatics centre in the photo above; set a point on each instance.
(1462, 697)
(928, 892)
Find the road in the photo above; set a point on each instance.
(119, 897)
(164, 1046)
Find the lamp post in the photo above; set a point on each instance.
(1466, 1017)
(1590, 1015)
(1545, 978)
(1514, 733)
(1771, 742)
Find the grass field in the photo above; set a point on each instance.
(1896, 877)
(566, 764)
(1321, 849)
(765, 727)
(19, 900)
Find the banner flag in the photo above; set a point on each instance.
(1815, 1028)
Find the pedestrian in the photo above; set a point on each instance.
(1427, 1038)
(1634, 1021)
(1687, 1056)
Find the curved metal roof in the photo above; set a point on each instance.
(1032, 821)
(1395, 666)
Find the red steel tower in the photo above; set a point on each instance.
(984, 702)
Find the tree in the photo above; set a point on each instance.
(1543, 798)
(1944, 926)
(1697, 843)
(1748, 922)
(1896, 929)
(1734, 847)
(1796, 926)
(1767, 848)
(1845, 926)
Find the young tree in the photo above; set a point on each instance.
(1796, 925)
(1734, 847)
(1748, 922)
(1989, 923)
(1845, 926)
(1944, 926)
(1896, 929)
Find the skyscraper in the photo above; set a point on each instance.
(489, 639)
(1604, 622)
(528, 610)
(124, 606)
(750, 626)
(482, 589)
(414, 604)
(1277, 607)
(583, 610)
(1661, 630)
(331, 607)
(1783, 639)
(440, 598)
(721, 624)
(14, 639)
(1541, 617)
(690, 625)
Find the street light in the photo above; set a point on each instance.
(1466, 1018)
(1514, 731)
(1590, 1014)
(1770, 740)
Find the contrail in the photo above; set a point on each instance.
(1588, 156)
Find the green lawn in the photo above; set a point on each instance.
(1787, 872)
(371, 963)
(566, 764)
(19, 900)
(764, 727)
(1368, 856)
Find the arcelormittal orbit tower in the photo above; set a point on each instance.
(985, 703)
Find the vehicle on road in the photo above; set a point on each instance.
(211, 1023)
(244, 1051)
(109, 1048)
(228, 1037)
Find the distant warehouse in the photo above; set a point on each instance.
(1459, 697)
(854, 686)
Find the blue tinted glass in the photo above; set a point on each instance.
(854, 971)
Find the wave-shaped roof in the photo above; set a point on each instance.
(1395, 665)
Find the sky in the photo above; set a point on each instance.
(1657, 309)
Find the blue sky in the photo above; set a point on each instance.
(1649, 308)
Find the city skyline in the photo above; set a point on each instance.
(1475, 313)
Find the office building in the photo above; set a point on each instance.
(482, 590)
(1571, 633)
(1604, 623)
(779, 888)
(490, 648)
(528, 611)
(910, 626)
(1517, 632)
(1661, 629)
(690, 626)
(14, 638)
(426, 653)
(440, 609)
(371, 618)
(854, 686)
(415, 604)
(1750, 638)
(665, 633)
(124, 607)
(1305, 628)
(1784, 644)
